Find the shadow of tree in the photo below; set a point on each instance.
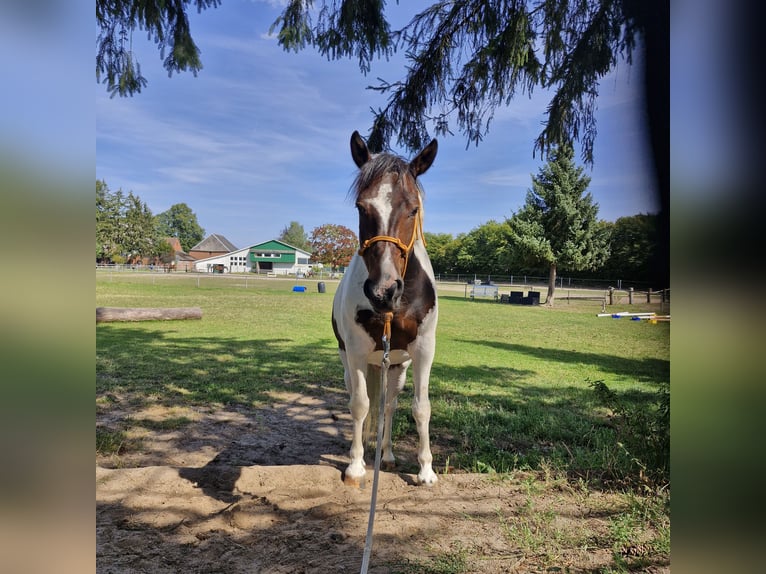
(648, 370)
(246, 402)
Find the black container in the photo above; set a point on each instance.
(321, 287)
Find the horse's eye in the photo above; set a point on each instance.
(414, 212)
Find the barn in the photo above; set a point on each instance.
(272, 257)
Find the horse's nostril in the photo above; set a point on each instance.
(394, 290)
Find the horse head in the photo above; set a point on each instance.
(388, 199)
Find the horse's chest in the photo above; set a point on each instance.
(404, 329)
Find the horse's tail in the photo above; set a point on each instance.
(373, 393)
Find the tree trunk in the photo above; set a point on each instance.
(108, 314)
(551, 286)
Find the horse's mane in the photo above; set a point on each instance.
(378, 166)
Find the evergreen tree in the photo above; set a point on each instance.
(295, 235)
(139, 233)
(109, 207)
(558, 225)
(165, 23)
(465, 57)
(125, 227)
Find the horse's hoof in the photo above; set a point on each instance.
(388, 465)
(352, 481)
(427, 479)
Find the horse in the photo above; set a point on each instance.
(389, 286)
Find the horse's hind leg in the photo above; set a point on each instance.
(396, 377)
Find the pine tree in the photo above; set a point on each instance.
(558, 225)
(465, 58)
(295, 235)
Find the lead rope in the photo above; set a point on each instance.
(379, 441)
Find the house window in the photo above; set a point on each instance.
(303, 260)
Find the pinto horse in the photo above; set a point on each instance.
(389, 284)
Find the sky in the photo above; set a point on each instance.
(260, 138)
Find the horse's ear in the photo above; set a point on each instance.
(424, 159)
(359, 150)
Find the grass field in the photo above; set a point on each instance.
(513, 388)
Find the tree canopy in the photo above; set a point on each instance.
(333, 245)
(558, 225)
(634, 242)
(125, 227)
(465, 58)
(295, 235)
(181, 222)
(165, 23)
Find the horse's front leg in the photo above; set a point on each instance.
(359, 405)
(396, 377)
(421, 412)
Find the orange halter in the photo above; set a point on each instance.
(417, 231)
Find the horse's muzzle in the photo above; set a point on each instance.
(384, 297)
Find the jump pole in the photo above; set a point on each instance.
(625, 314)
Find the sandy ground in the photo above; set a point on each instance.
(261, 490)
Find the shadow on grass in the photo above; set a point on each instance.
(206, 369)
(246, 402)
(642, 370)
(279, 402)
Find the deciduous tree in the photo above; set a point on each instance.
(634, 243)
(437, 245)
(333, 245)
(482, 250)
(181, 222)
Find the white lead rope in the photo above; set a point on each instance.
(378, 448)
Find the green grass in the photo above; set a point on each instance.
(511, 386)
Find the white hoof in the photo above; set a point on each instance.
(354, 474)
(427, 477)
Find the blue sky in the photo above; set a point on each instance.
(260, 138)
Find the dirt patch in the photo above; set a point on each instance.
(260, 490)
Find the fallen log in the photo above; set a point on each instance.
(108, 314)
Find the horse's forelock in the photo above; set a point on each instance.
(378, 166)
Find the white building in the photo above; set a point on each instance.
(271, 257)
